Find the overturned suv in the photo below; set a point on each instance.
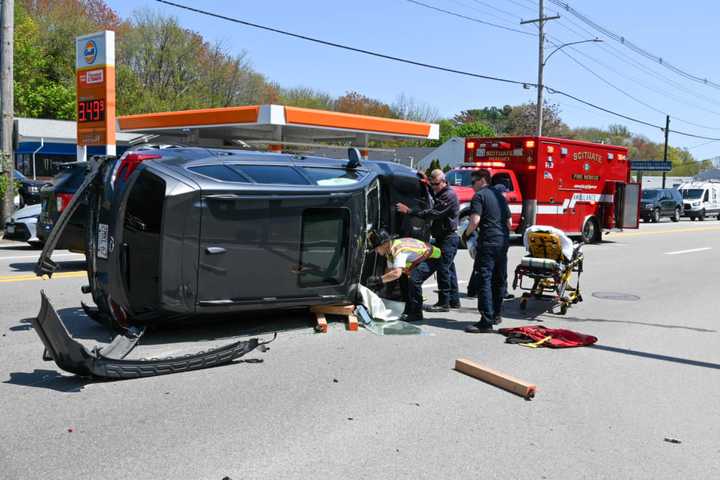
(189, 232)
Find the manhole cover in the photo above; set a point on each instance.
(625, 297)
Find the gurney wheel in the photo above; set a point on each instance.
(563, 308)
(523, 303)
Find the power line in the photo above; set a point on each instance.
(427, 65)
(635, 48)
(472, 19)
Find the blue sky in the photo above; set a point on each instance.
(683, 33)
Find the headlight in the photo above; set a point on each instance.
(33, 189)
(696, 204)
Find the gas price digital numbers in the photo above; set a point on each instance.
(91, 110)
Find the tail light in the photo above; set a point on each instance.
(529, 144)
(63, 200)
(130, 161)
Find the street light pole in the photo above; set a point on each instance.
(541, 62)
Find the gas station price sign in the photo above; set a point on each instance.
(91, 110)
(95, 81)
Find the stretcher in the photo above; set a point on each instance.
(546, 273)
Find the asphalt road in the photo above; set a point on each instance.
(357, 405)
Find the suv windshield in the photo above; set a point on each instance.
(650, 194)
(692, 193)
(459, 178)
(19, 176)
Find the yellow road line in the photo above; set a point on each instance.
(663, 232)
(31, 277)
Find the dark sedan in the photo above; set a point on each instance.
(29, 190)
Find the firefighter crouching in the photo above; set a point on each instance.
(411, 261)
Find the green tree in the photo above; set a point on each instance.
(434, 165)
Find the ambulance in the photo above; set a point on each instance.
(580, 187)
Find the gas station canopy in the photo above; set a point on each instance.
(274, 125)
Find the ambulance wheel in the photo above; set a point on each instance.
(676, 215)
(590, 231)
(701, 217)
(656, 216)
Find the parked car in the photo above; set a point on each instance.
(656, 203)
(29, 190)
(701, 199)
(56, 198)
(22, 225)
(196, 232)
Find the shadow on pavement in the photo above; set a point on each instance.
(50, 379)
(656, 356)
(630, 322)
(71, 265)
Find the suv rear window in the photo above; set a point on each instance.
(323, 255)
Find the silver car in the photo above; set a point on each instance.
(22, 225)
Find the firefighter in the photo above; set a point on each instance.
(490, 212)
(500, 186)
(444, 218)
(409, 260)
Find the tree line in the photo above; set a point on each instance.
(162, 66)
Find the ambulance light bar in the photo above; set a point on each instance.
(470, 145)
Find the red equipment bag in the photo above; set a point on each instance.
(547, 337)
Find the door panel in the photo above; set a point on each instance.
(251, 246)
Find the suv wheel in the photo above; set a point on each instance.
(676, 215)
(656, 215)
(591, 231)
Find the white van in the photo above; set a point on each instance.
(701, 199)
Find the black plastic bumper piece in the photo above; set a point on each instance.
(73, 357)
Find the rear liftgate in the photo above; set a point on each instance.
(108, 361)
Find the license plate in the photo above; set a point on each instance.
(102, 245)
(10, 229)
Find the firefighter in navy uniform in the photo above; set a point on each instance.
(411, 261)
(444, 218)
(490, 215)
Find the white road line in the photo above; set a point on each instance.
(692, 250)
(38, 256)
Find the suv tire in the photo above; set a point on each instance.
(591, 231)
(676, 215)
(656, 215)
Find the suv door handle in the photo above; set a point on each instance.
(215, 250)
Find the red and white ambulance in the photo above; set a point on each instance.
(579, 187)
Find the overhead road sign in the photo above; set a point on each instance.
(650, 166)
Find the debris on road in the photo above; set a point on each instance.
(534, 336)
(672, 440)
(493, 377)
(109, 361)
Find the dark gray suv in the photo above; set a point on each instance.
(661, 202)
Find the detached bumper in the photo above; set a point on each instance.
(107, 362)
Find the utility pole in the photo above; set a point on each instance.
(667, 132)
(541, 60)
(6, 106)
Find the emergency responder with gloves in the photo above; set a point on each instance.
(411, 261)
(490, 215)
(444, 218)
